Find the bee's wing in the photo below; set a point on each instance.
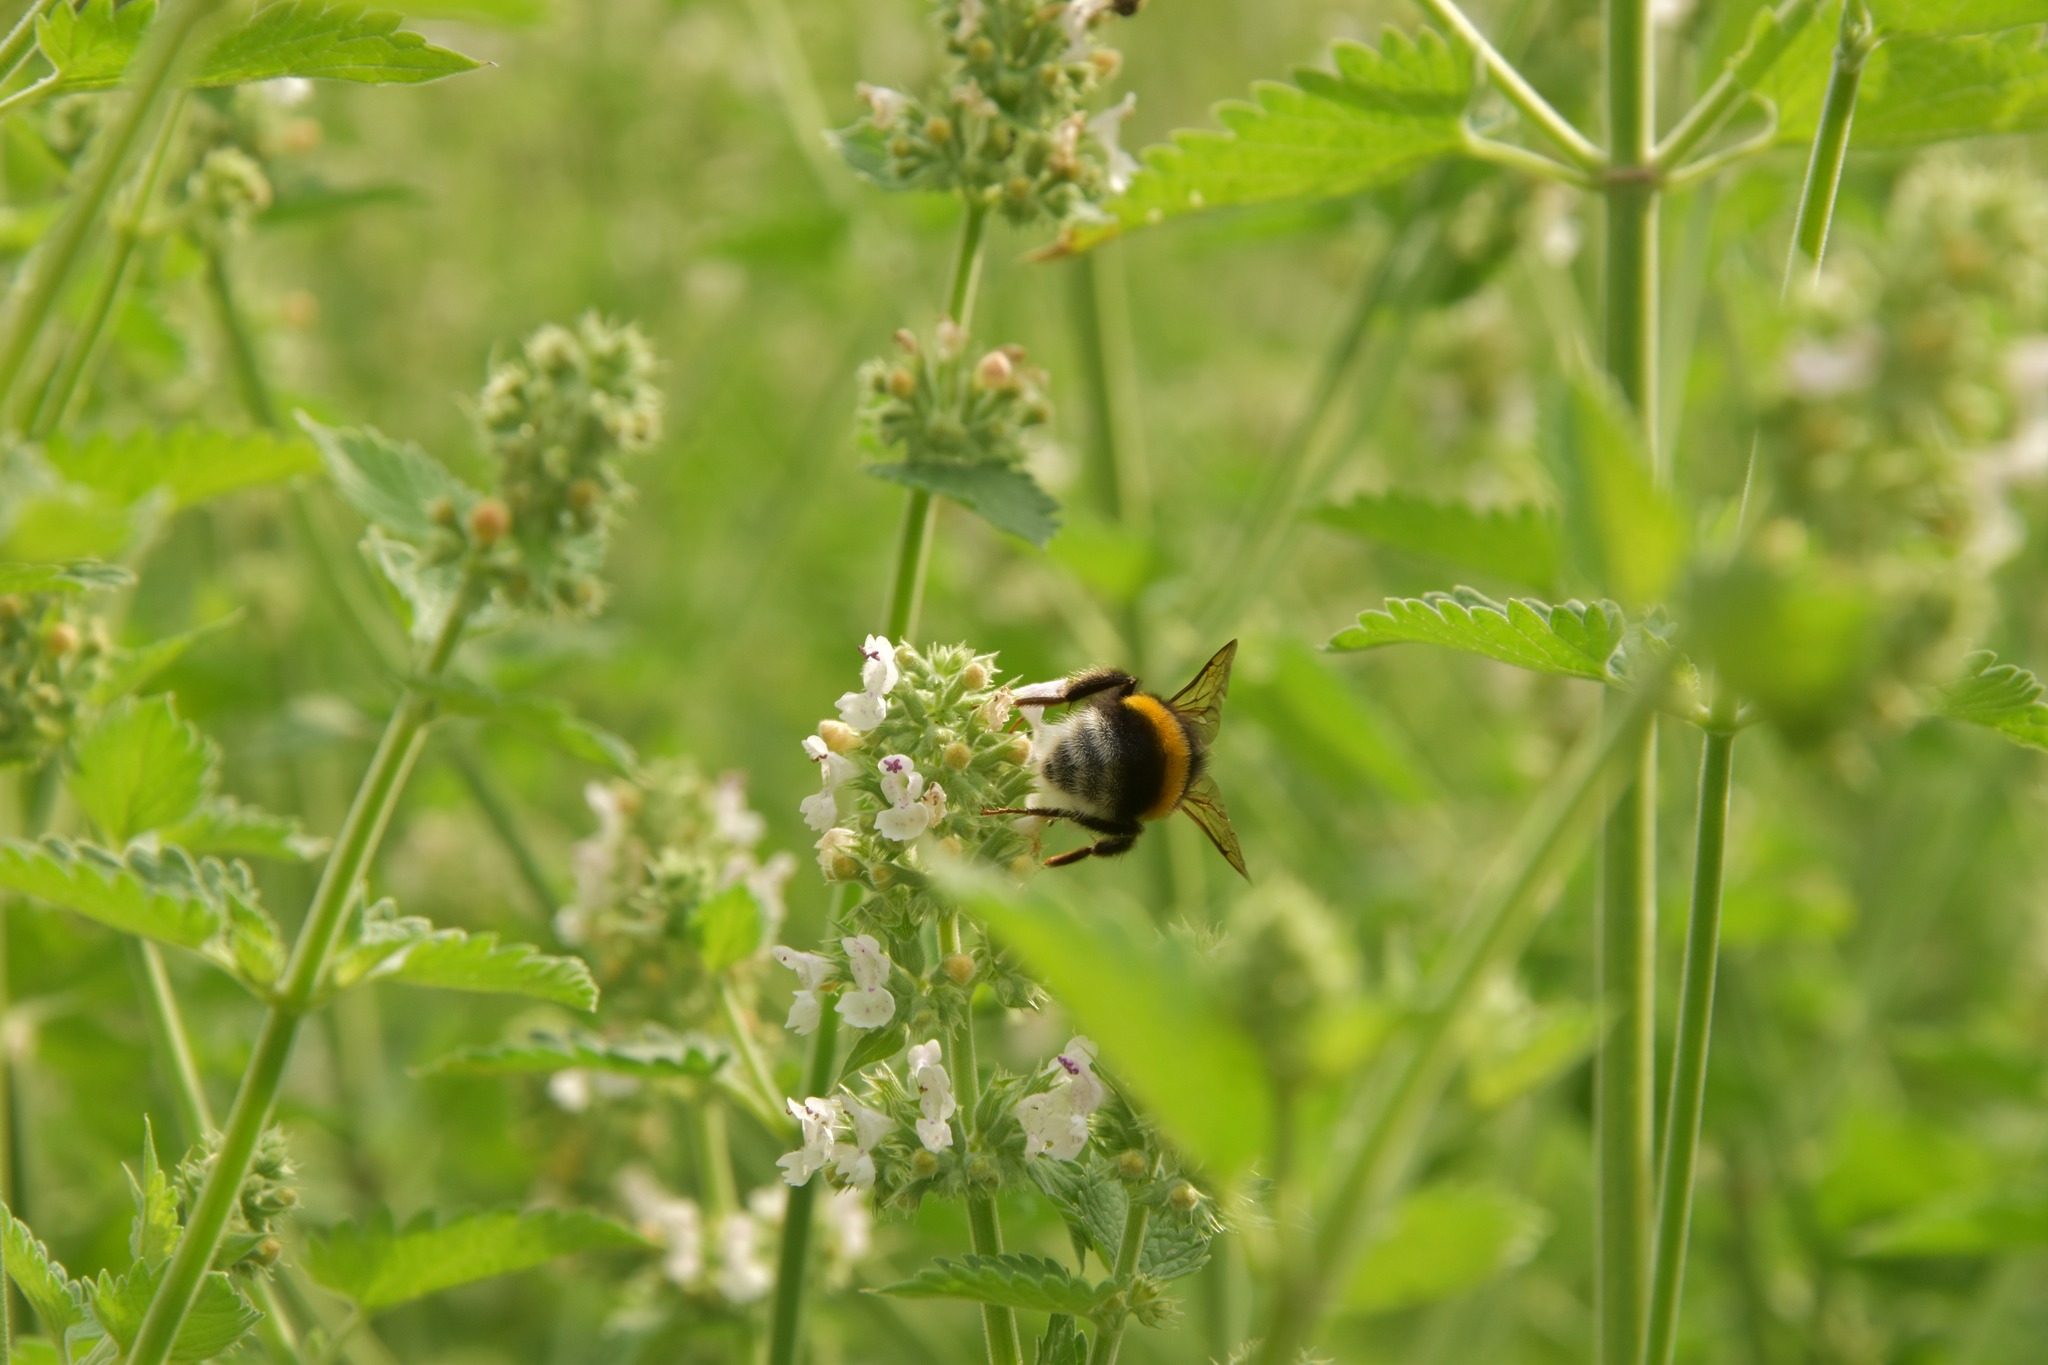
(1204, 805)
(1200, 703)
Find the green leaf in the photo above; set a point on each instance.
(1372, 121)
(1999, 697)
(727, 928)
(1006, 498)
(654, 1054)
(509, 13)
(1503, 1070)
(1918, 88)
(1146, 1000)
(393, 484)
(141, 769)
(1095, 1203)
(379, 1265)
(540, 718)
(1620, 532)
(1986, 1223)
(154, 1232)
(1444, 1240)
(253, 948)
(37, 1351)
(219, 1317)
(223, 825)
(92, 47)
(192, 464)
(1008, 1280)
(1573, 640)
(129, 670)
(1518, 544)
(83, 575)
(1062, 1343)
(1955, 16)
(59, 1301)
(429, 589)
(164, 896)
(386, 947)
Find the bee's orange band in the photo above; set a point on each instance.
(1173, 742)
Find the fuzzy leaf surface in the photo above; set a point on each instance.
(411, 950)
(223, 826)
(82, 575)
(2001, 697)
(1095, 1202)
(1377, 117)
(141, 768)
(379, 1265)
(91, 47)
(1008, 1280)
(1573, 639)
(191, 464)
(1008, 499)
(392, 483)
(1955, 16)
(58, 1300)
(654, 1054)
(539, 718)
(220, 1316)
(1519, 544)
(164, 896)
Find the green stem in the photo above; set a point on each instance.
(1689, 1055)
(249, 377)
(361, 832)
(498, 814)
(83, 349)
(1110, 1336)
(1372, 1153)
(195, 1115)
(1624, 1070)
(21, 39)
(786, 1320)
(1103, 329)
(1519, 92)
(750, 1056)
(1736, 84)
(721, 1191)
(50, 267)
(984, 1225)
(1853, 43)
(800, 102)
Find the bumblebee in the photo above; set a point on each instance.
(1122, 756)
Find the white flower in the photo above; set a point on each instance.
(878, 671)
(869, 1004)
(670, 1222)
(862, 710)
(1055, 1122)
(870, 1126)
(1077, 1060)
(995, 712)
(818, 1117)
(934, 1096)
(934, 800)
(833, 845)
(570, 1090)
(902, 784)
(744, 1274)
(901, 781)
(812, 972)
(1819, 369)
(287, 92)
(903, 823)
(1104, 128)
(885, 106)
(734, 820)
(821, 810)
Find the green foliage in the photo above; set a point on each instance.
(541, 718)
(1990, 1223)
(223, 826)
(1954, 16)
(154, 1233)
(1621, 533)
(653, 1054)
(1999, 697)
(395, 485)
(1009, 1280)
(1325, 726)
(1062, 1343)
(1518, 544)
(130, 670)
(727, 928)
(58, 1300)
(1444, 1240)
(387, 947)
(220, 1315)
(1374, 120)
(1920, 86)
(379, 1265)
(1572, 640)
(190, 464)
(1503, 1069)
(80, 576)
(1009, 499)
(162, 895)
(141, 768)
(91, 47)
(1096, 1203)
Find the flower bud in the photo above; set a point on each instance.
(938, 131)
(982, 1171)
(883, 876)
(1108, 61)
(489, 520)
(952, 338)
(974, 677)
(980, 50)
(63, 638)
(960, 967)
(993, 372)
(1018, 750)
(958, 756)
(907, 339)
(839, 737)
(441, 511)
(1132, 1165)
(902, 383)
(923, 1164)
(1184, 1197)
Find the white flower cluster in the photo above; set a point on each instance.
(867, 1005)
(827, 1122)
(733, 1262)
(864, 710)
(1055, 1121)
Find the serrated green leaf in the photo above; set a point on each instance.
(1148, 1003)
(1573, 640)
(1918, 88)
(219, 1316)
(192, 464)
(222, 825)
(84, 575)
(379, 1265)
(392, 483)
(1008, 499)
(382, 946)
(1519, 544)
(164, 896)
(91, 48)
(1981, 1223)
(1373, 120)
(1062, 1343)
(1954, 17)
(654, 1054)
(141, 769)
(875, 1045)
(1095, 1203)
(252, 948)
(428, 589)
(129, 670)
(1008, 1280)
(510, 13)
(2001, 697)
(548, 721)
(1444, 1240)
(1620, 532)
(59, 1301)
(727, 928)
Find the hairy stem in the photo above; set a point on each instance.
(48, 269)
(750, 1056)
(1110, 1336)
(1372, 1152)
(786, 1320)
(1553, 125)
(1689, 1052)
(984, 1226)
(1102, 326)
(21, 39)
(361, 832)
(1853, 43)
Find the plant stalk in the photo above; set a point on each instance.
(1682, 1111)
(1110, 1336)
(361, 832)
(1734, 86)
(743, 1043)
(1102, 326)
(21, 39)
(1853, 43)
(44, 277)
(984, 1224)
(790, 1281)
(1553, 125)
(1373, 1153)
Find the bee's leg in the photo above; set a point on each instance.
(1081, 818)
(1066, 691)
(1101, 848)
